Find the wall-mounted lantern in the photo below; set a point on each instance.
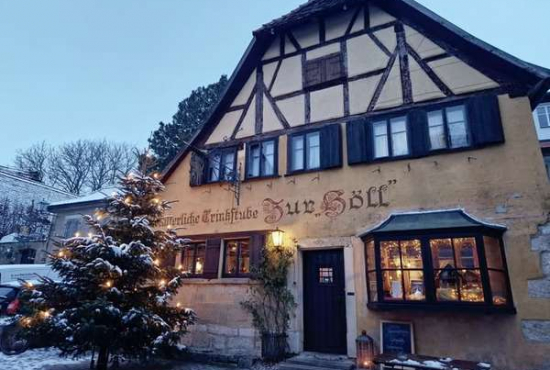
(277, 237)
(365, 351)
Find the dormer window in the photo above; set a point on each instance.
(324, 71)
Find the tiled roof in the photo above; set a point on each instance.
(304, 12)
(430, 220)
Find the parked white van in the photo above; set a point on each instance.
(13, 273)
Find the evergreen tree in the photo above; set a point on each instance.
(117, 283)
(170, 138)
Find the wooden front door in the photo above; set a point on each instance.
(324, 302)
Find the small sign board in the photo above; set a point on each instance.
(396, 337)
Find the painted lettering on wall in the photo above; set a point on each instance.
(230, 216)
(333, 203)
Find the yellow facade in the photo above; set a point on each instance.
(504, 184)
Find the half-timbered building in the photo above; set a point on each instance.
(397, 153)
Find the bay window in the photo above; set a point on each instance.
(440, 266)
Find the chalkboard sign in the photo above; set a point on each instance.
(397, 337)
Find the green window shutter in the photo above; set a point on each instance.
(212, 258)
(359, 141)
(484, 120)
(257, 243)
(331, 146)
(419, 138)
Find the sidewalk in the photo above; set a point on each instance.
(48, 359)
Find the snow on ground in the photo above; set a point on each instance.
(34, 359)
(48, 359)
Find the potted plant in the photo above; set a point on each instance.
(271, 303)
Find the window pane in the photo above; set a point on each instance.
(389, 252)
(393, 286)
(371, 264)
(373, 288)
(269, 157)
(313, 150)
(442, 253)
(214, 171)
(466, 253)
(493, 253)
(231, 253)
(326, 275)
(446, 284)
(498, 287)
(543, 115)
(400, 145)
(437, 130)
(254, 164)
(414, 285)
(381, 148)
(187, 259)
(244, 265)
(457, 127)
(412, 254)
(297, 147)
(471, 289)
(199, 259)
(228, 165)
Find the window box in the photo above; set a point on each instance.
(314, 150)
(439, 260)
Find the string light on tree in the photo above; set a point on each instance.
(99, 271)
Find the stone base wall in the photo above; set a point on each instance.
(217, 339)
(223, 326)
(539, 288)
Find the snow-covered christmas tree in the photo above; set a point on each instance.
(118, 283)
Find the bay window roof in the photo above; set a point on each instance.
(430, 220)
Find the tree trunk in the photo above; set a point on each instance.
(102, 358)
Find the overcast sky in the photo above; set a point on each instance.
(114, 69)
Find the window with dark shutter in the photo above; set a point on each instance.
(315, 149)
(324, 70)
(262, 159)
(212, 258)
(222, 165)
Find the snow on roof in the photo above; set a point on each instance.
(36, 183)
(96, 196)
(10, 238)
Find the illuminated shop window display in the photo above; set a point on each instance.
(464, 267)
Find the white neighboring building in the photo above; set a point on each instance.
(542, 124)
(24, 244)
